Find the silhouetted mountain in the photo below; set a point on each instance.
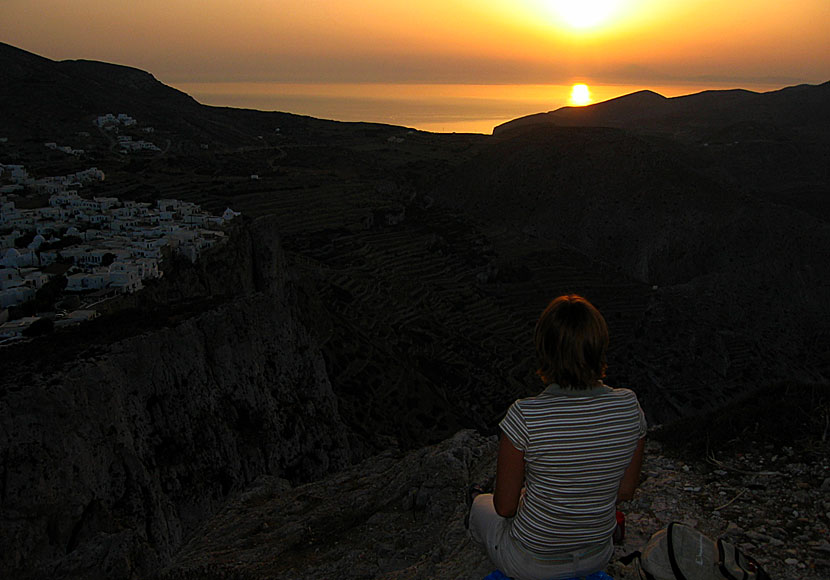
(803, 108)
(40, 90)
(42, 99)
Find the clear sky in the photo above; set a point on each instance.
(435, 41)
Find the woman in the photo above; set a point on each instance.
(566, 456)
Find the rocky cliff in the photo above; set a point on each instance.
(400, 516)
(110, 459)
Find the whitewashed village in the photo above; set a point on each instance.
(89, 249)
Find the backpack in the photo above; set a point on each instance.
(679, 552)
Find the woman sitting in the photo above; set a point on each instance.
(566, 456)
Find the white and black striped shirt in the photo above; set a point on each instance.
(577, 445)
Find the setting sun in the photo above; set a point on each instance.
(584, 14)
(580, 95)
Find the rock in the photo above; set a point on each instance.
(110, 462)
(363, 507)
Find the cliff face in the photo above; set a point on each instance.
(109, 461)
(400, 517)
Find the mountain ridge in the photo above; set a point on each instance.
(803, 105)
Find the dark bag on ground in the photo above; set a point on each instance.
(679, 552)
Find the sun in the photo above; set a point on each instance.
(584, 14)
(580, 95)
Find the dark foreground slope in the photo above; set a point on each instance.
(400, 516)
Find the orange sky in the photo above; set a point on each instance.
(435, 41)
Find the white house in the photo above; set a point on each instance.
(100, 219)
(35, 278)
(8, 211)
(86, 281)
(16, 327)
(106, 202)
(91, 174)
(107, 119)
(76, 253)
(16, 295)
(148, 268)
(125, 277)
(18, 173)
(48, 213)
(47, 186)
(7, 240)
(36, 242)
(76, 317)
(167, 204)
(48, 257)
(63, 199)
(229, 214)
(10, 278)
(19, 258)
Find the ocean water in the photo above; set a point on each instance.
(443, 108)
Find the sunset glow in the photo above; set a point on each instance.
(582, 14)
(580, 95)
(500, 42)
(407, 47)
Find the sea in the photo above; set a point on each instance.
(441, 108)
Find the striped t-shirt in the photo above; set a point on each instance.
(576, 444)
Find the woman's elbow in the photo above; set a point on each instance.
(505, 506)
(505, 511)
(626, 490)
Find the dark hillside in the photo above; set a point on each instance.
(41, 98)
(738, 272)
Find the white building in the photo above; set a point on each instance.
(148, 268)
(64, 199)
(36, 242)
(19, 258)
(16, 327)
(16, 295)
(10, 278)
(75, 317)
(107, 202)
(124, 277)
(7, 240)
(35, 278)
(86, 281)
(108, 119)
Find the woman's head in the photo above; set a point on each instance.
(571, 343)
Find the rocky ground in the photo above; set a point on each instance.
(771, 501)
(401, 516)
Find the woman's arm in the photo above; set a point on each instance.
(631, 477)
(510, 476)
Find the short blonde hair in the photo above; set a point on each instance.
(571, 343)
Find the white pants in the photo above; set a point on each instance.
(492, 531)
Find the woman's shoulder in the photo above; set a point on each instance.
(624, 396)
(622, 392)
